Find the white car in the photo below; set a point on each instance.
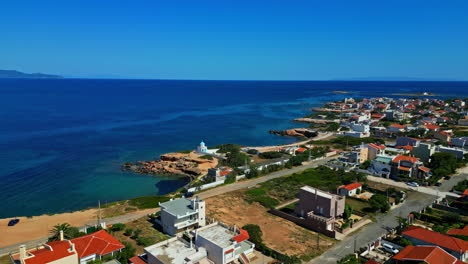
(390, 248)
(412, 184)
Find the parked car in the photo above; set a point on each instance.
(13, 222)
(412, 184)
(438, 184)
(389, 248)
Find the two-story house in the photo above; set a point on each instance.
(182, 214)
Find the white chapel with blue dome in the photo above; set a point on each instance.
(202, 148)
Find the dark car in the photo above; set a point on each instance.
(438, 184)
(13, 222)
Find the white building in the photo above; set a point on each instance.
(182, 214)
(202, 148)
(213, 243)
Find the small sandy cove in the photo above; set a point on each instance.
(39, 226)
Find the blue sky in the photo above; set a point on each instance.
(287, 40)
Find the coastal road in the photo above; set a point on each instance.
(414, 202)
(205, 194)
(250, 183)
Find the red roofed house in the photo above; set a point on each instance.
(405, 165)
(424, 254)
(56, 252)
(433, 128)
(350, 189)
(96, 245)
(396, 128)
(78, 250)
(375, 150)
(424, 237)
(459, 232)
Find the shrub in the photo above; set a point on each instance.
(128, 232)
(146, 202)
(256, 192)
(118, 227)
(270, 155)
(266, 201)
(208, 157)
(145, 241)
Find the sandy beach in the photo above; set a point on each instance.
(39, 226)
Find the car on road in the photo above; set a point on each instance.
(412, 184)
(13, 222)
(438, 184)
(389, 248)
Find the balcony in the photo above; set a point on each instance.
(185, 223)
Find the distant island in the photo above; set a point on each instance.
(12, 74)
(415, 94)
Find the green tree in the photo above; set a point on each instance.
(126, 253)
(255, 233)
(443, 163)
(347, 212)
(117, 227)
(69, 232)
(379, 202)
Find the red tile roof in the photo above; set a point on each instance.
(377, 116)
(405, 158)
(376, 146)
(351, 186)
(301, 149)
(432, 127)
(465, 193)
(408, 147)
(404, 168)
(398, 126)
(244, 235)
(424, 169)
(137, 260)
(60, 249)
(438, 239)
(99, 242)
(461, 232)
(427, 254)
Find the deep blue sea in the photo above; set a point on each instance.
(62, 141)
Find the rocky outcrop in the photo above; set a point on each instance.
(296, 132)
(169, 165)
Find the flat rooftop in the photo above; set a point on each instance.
(171, 251)
(218, 235)
(179, 207)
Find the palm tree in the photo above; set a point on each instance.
(55, 232)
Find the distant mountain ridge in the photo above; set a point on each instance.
(392, 78)
(12, 74)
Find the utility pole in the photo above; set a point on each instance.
(99, 212)
(355, 244)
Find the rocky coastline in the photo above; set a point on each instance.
(295, 132)
(176, 164)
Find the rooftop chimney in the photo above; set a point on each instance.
(22, 251)
(61, 235)
(72, 248)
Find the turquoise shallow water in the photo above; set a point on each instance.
(62, 141)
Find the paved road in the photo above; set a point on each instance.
(205, 194)
(250, 183)
(415, 202)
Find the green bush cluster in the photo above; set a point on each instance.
(270, 155)
(145, 202)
